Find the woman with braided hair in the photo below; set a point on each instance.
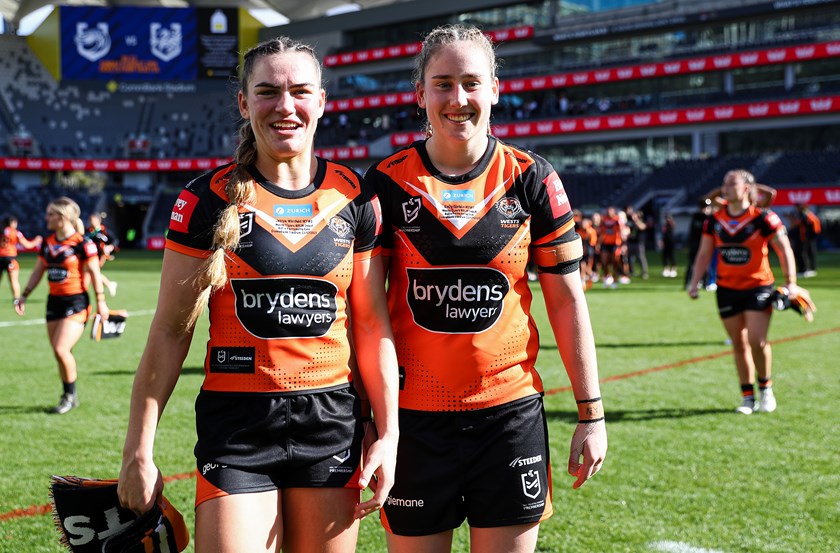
(279, 245)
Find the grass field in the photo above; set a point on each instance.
(683, 473)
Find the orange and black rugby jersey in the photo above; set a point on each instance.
(610, 231)
(64, 262)
(741, 244)
(8, 242)
(279, 324)
(457, 288)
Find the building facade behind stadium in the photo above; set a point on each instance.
(644, 103)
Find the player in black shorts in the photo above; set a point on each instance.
(69, 260)
(464, 213)
(278, 245)
(739, 234)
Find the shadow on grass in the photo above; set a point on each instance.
(132, 370)
(24, 409)
(642, 415)
(598, 345)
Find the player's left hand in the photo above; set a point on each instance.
(378, 466)
(587, 452)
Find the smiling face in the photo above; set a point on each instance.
(283, 100)
(458, 91)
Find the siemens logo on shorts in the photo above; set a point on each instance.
(735, 255)
(460, 300)
(271, 308)
(399, 502)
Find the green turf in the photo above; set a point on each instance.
(681, 468)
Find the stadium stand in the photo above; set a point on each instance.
(638, 102)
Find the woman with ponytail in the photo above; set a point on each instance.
(280, 246)
(66, 255)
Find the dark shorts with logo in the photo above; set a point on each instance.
(490, 467)
(76, 306)
(8, 264)
(732, 302)
(262, 442)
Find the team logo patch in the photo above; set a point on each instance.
(339, 226)
(411, 209)
(509, 207)
(92, 43)
(165, 42)
(531, 484)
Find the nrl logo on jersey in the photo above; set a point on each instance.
(246, 224)
(411, 209)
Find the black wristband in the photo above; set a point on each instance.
(593, 400)
(590, 421)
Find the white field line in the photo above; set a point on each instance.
(679, 547)
(30, 322)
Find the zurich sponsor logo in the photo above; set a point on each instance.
(292, 210)
(463, 196)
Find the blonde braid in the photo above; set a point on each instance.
(212, 275)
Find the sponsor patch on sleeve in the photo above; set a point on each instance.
(557, 195)
(182, 211)
(90, 249)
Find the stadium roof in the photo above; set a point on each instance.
(295, 10)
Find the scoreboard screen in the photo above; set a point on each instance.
(148, 43)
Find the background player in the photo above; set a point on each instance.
(9, 241)
(741, 231)
(65, 256)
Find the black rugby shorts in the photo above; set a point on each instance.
(488, 466)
